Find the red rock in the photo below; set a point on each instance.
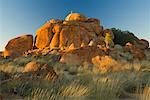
(43, 70)
(76, 30)
(80, 55)
(32, 67)
(17, 46)
(44, 35)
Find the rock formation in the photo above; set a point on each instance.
(17, 46)
(80, 55)
(75, 31)
(76, 40)
(32, 67)
(41, 70)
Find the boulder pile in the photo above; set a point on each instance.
(78, 39)
(75, 31)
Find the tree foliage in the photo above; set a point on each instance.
(122, 37)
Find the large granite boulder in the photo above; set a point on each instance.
(75, 31)
(41, 70)
(32, 67)
(45, 34)
(75, 16)
(81, 55)
(17, 46)
(137, 50)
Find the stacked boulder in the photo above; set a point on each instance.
(74, 32)
(78, 39)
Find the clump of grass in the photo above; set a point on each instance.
(77, 82)
(105, 87)
(74, 90)
(41, 94)
(144, 92)
(10, 69)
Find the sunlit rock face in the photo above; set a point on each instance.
(75, 16)
(81, 55)
(75, 31)
(17, 46)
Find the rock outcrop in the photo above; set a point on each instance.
(81, 55)
(32, 67)
(76, 40)
(74, 32)
(41, 70)
(137, 50)
(17, 46)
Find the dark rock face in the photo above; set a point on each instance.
(1, 55)
(122, 38)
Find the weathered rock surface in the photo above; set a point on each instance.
(32, 67)
(35, 66)
(80, 55)
(137, 50)
(41, 70)
(73, 32)
(17, 46)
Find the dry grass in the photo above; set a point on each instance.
(10, 68)
(84, 82)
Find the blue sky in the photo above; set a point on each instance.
(19, 17)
